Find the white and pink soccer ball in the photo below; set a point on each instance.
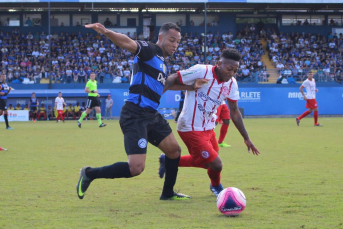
(231, 201)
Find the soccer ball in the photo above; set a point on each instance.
(231, 201)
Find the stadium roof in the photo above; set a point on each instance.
(176, 5)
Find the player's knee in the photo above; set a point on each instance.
(136, 169)
(174, 152)
(226, 121)
(216, 164)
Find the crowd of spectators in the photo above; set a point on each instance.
(25, 57)
(74, 56)
(295, 54)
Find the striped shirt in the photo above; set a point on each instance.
(148, 76)
(200, 106)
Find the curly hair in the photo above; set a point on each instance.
(231, 54)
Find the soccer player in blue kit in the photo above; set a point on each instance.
(139, 120)
(4, 90)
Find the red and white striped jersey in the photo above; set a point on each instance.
(310, 86)
(200, 106)
(59, 103)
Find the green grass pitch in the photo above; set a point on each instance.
(296, 182)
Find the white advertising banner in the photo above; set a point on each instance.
(16, 115)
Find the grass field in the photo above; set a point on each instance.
(296, 182)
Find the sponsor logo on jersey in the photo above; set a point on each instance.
(205, 97)
(142, 143)
(160, 57)
(161, 78)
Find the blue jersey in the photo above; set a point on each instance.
(149, 76)
(182, 96)
(33, 102)
(4, 89)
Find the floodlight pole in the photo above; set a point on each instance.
(49, 59)
(205, 35)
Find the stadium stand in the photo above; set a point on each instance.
(273, 57)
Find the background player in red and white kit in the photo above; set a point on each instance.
(59, 102)
(310, 85)
(223, 117)
(197, 120)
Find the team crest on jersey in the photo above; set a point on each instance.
(225, 91)
(142, 143)
(205, 154)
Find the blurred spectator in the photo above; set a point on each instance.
(28, 22)
(10, 107)
(7, 22)
(77, 112)
(18, 107)
(191, 23)
(107, 22)
(70, 111)
(42, 112)
(108, 109)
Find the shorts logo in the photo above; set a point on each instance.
(142, 143)
(205, 154)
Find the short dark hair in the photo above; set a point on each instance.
(168, 26)
(231, 54)
(33, 93)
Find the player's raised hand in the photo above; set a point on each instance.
(198, 83)
(97, 27)
(251, 147)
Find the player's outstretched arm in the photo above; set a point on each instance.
(173, 83)
(237, 119)
(118, 39)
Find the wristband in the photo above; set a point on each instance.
(92, 91)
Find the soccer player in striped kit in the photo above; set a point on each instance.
(59, 102)
(310, 85)
(197, 119)
(139, 120)
(4, 90)
(33, 104)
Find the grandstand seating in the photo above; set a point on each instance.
(73, 56)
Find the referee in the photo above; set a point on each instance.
(4, 90)
(92, 101)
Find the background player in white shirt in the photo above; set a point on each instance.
(310, 85)
(223, 118)
(59, 102)
(197, 120)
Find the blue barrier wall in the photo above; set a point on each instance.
(260, 100)
(48, 97)
(256, 100)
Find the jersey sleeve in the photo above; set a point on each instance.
(233, 91)
(88, 84)
(304, 84)
(188, 76)
(145, 51)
